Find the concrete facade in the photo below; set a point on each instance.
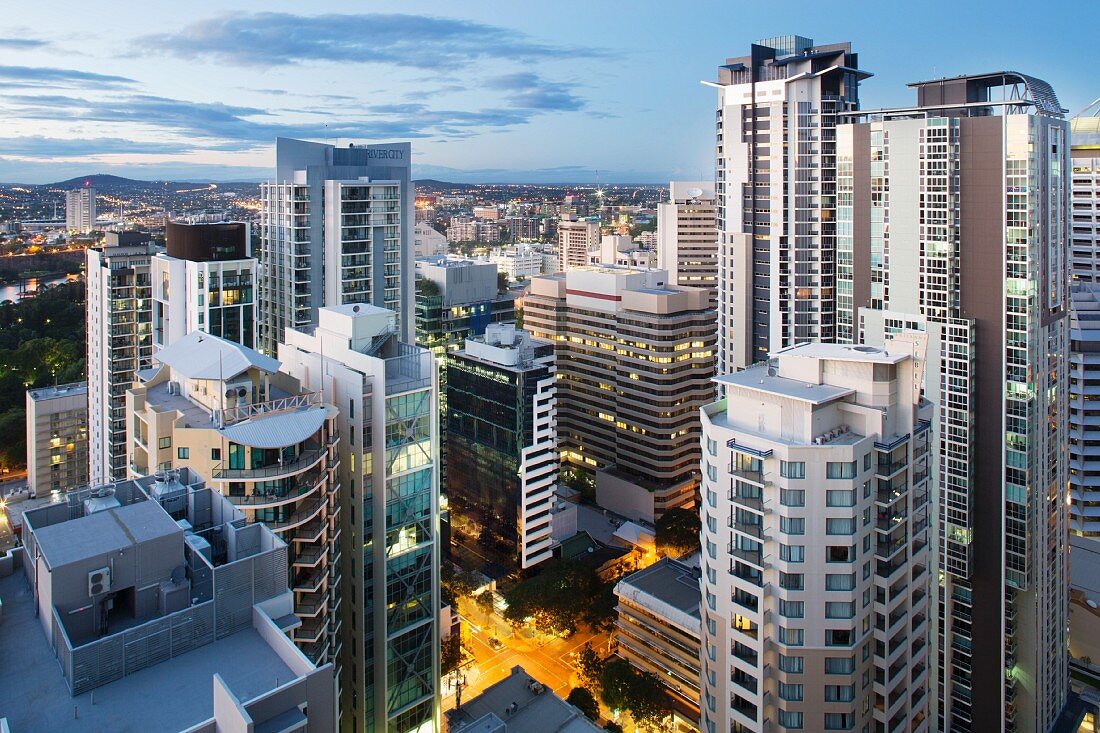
(687, 235)
(635, 361)
(120, 342)
(816, 562)
(57, 438)
(387, 395)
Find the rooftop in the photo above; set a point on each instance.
(199, 355)
(759, 379)
(103, 532)
(61, 390)
(669, 588)
(536, 710)
(844, 352)
(170, 696)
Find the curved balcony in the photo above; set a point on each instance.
(304, 461)
(309, 557)
(310, 509)
(310, 532)
(273, 497)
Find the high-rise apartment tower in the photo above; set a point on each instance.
(776, 186)
(336, 227)
(952, 221)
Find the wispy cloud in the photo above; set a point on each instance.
(417, 41)
(51, 147)
(236, 127)
(21, 44)
(528, 90)
(48, 76)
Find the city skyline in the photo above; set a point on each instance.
(559, 93)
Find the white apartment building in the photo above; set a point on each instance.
(387, 396)
(775, 178)
(816, 574)
(120, 342)
(687, 235)
(80, 210)
(520, 261)
(1085, 161)
(57, 438)
(205, 281)
(336, 227)
(428, 242)
(575, 240)
(620, 250)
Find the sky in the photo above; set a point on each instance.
(569, 91)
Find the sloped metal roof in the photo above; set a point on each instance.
(277, 430)
(199, 355)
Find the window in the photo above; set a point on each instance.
(840, 665)
(792, 665)
(790, 692)
(840, 526)
(165, 442)
(790, 720)
(792, 469)
(867, 462)
(792, 497)
(840, 553)
(840, 693)
(840, 609)
(712, 447)
(839, 721)
(792, 637)
(792, 581)
(712, 472)
(838, 582)
(792, 609)
(792, 525)
(215, 454)
(845, 469)
(836, 497)
(183, 453)
(792, 553)
(838, 637)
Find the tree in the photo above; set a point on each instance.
(589, 667)
(502, 282)
(612, 726)
(450, 654)
(555, 599)
(600, 608)
(678, 532)
(585, 701)
(640, 693)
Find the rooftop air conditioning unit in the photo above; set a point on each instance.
(99, 581)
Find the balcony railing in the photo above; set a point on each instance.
(231, 415)
(304, 460)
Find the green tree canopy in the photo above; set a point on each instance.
(640, 693)
(556, 599)
(584, 701)
(678, 532)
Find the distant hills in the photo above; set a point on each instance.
(107, 183)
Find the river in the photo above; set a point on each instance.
(11, 291)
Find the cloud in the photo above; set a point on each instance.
(241, 127)
(50, 147)
(22, 44)
(416, 41)
(528, 90)
(45, 76)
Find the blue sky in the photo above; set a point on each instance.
(519, 91)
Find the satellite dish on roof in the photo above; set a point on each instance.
(695, 192)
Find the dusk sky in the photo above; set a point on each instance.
(486, 91)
